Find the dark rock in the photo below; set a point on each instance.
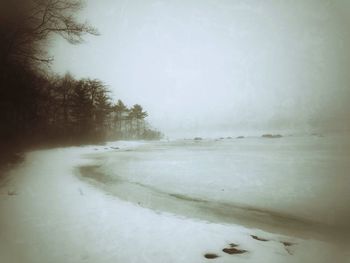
(233, 251)
(198, 138)
(240, 137)
(211, 256)
(229, 138)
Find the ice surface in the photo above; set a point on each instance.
(306, 177)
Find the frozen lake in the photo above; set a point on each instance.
(179, 201)
(296, 181)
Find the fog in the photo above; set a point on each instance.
(205, 67)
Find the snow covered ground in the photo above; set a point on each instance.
(50, 213)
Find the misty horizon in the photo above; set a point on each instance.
(174, 131)
(230, 66)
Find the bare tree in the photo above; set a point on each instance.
(26, 27)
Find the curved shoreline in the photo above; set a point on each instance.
(216, 212)
(56, 217)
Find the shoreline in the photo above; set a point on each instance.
(210, 211)
(55, 217)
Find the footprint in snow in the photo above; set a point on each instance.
(259, 238)
(233, 245)
(231, 250)
(286, 244)
(210, 255)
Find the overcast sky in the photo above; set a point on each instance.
(201, 66)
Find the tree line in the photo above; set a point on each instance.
(37, 106)
(82, 110)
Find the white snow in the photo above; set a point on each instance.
(55, 217)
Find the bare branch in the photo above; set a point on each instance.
(40, 19)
